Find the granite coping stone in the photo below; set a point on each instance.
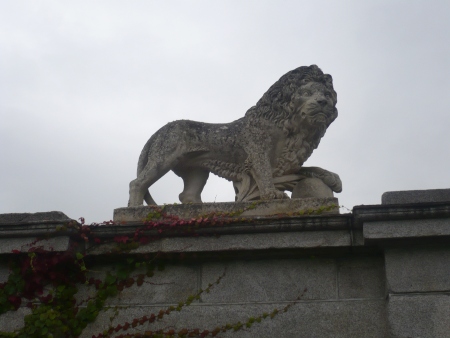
(34, 224)
(416, 196)
(32, 218)
(372, 213)
(24, 244)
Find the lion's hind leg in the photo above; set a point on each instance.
(152, 172)
(194, 181)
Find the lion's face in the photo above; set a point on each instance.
(315, 103)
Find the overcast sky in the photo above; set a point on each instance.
(84, 84)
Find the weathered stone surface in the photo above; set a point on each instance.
(418, 269)
(269, 261)
(173, 284)
(344, 319)
(13, 320)
(232, 209)
(7, 245)
(416, 196)
(35, 217)
(406, 229)
(364, 214)
(311, 187)
(4, 271)
(261, 153)
(424, 316)
(361, 277)
(270, 280)
(246, 242)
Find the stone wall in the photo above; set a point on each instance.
(380, 271)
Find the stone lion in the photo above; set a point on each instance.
(261, 153)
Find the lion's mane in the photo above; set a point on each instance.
(274, 106)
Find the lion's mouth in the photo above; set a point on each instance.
(318, 116)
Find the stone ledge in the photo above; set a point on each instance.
(25, 244)
(371, 213)
(34, 225)
(417, 229)
(241, 242)
(237, 226)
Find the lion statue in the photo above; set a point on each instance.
(261, 153)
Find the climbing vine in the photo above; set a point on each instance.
(48, 282)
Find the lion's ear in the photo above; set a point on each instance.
(328, 79)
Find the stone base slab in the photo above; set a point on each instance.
(291, 207)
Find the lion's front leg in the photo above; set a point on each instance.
(261, 170)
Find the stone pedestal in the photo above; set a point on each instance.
(282, 207)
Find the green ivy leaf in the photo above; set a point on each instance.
(110, 279)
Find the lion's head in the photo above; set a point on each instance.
(306, 93)
(303, 104)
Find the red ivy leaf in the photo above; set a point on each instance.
(121, 239)
(144, 240)
(15, 301)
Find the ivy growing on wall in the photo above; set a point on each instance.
(48, 282)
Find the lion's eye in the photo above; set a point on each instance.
(328, 94)
(306, 93)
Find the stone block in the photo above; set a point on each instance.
(418, 269)
(7, 245)
(419, 315)
(361, 277)
(344, 319)
(172, 285)
(270, 280)
(239, 209)
(4, 271)
(13, 320)
(416, 196)
(406, 229)
(33, 217)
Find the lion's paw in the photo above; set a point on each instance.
(274, 194)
